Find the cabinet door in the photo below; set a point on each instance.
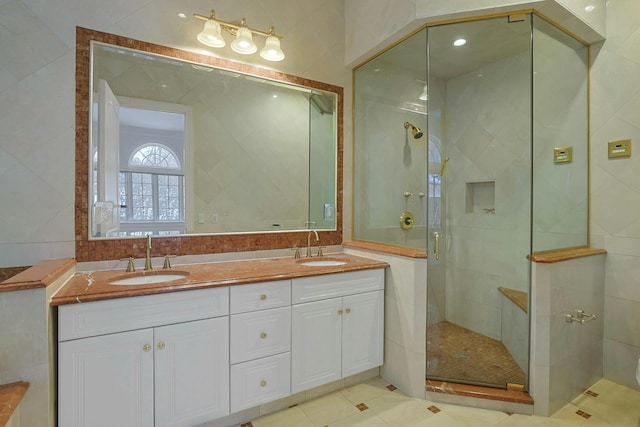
(362, 332)
(192, 372)
(106, 381)
(315, 343)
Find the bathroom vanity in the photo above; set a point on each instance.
(225, 337)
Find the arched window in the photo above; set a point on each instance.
(154, 156)
(436, 170)
(152, 191)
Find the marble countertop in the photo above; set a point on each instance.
(10, 397)
(40, 275)
(94, 286)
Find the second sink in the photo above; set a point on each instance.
(149, 278)
(321, 262)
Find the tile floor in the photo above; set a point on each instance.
(374, 403)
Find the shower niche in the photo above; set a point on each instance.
(492, 108)
(480, 197)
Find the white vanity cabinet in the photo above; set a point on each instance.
(159, 360)
(260, 340)
(190, 357)
(337, 326)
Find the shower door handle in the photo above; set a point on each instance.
(436, 245)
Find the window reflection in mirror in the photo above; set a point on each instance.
(151, 145)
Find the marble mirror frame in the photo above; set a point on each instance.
(116, 248)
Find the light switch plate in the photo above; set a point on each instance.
(620, 148)
(562, 154)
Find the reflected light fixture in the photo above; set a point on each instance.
(211, 35)
(425, 94)
(459, 42)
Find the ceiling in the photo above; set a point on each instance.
(488, 41)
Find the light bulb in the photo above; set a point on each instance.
(211, 35)
(244, 42)
(271, 50)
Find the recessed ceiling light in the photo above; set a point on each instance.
(182, 15)
(459, 42)
(589, 8)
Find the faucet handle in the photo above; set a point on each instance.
(167, 263)
(130, 266)
(320, 250)
(297, 252)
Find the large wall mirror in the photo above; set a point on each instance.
(205, 154)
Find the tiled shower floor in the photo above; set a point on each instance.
(457, 354)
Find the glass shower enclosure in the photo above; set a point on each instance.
(478, 132)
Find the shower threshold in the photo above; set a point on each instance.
(480, 392)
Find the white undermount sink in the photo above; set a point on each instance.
(321, 262)
(146, 279)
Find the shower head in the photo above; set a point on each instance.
(415, 131)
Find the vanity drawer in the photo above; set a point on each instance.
(260, 381)
(88, 319)
(260, 296)
(315, 288)
(260, 334)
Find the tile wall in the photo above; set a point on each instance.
(615, 185)
(405, 296)
(487, 250)
(37, 85)
(390, 170)
(566, 358)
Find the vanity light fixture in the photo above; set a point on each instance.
(211, 35)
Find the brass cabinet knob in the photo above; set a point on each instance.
(161, 345)
(348, 310)
(339, 311)
(263, 335)
(146, 347)
(263, 383)
(263, 297)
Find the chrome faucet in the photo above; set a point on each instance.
(147, 261)
(309, 241)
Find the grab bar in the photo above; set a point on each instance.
(436, 245)
(580, 317)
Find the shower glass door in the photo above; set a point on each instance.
(479, 201)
